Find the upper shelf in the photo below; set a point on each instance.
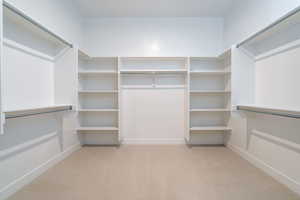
(144, 71)
(270, 110)
(280, 36)
(26, 32)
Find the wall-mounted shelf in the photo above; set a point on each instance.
(280, 36)
(98, 110)
(210, 110)
(209, 92)
(210, 129)
(97, 91)
(96, 72)
(150, 71)
(24, 33)
(210, 72)
(100, 129)
(270, 110)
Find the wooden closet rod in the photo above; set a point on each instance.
(32, 21)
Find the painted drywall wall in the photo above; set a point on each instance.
(153, 36)
(249, 16)
(153, 116)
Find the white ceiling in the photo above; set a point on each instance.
(153, 8)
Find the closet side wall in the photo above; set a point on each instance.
(270, 142)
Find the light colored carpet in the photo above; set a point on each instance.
(173, 172)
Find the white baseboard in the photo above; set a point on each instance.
(276, 174)
(34, 173)
(153, 141)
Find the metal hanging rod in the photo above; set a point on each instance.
(290, 14)
(37, 113)
(269, 112)
(32, 21)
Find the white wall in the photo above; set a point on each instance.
(249, 16)
(153, 36)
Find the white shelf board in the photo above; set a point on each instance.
(210, 110)
(100, 128)
(210, 72)
(97, 91)
(211, 128)
(151, 71)
(96, 72)
(28, 50)
(210, 92)
(98, 110)
(170, 86)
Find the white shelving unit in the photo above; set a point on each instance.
(98, 104)
(209, 99)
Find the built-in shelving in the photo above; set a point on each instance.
(98, 95)
(209, 95)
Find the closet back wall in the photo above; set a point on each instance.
(153, 36)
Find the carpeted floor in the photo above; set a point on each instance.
(171, 172)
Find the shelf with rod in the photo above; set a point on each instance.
(10, 114)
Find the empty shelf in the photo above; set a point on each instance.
(210, 72)
(141, 71)
(97, 91)
(210, 110)
(210, 128)
(210, 92)
(97, 72)
(98, 110)
(97, 128)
